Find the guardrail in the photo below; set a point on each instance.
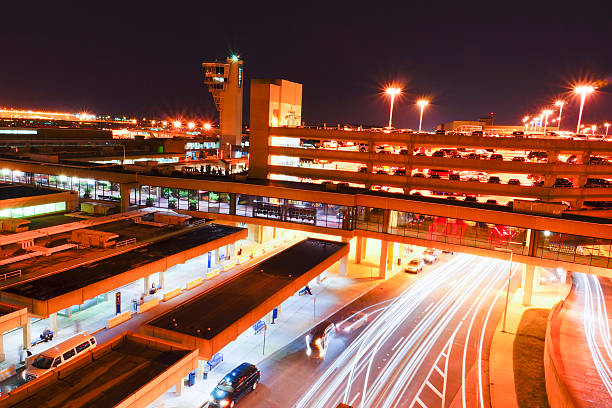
(12, 274)
(124, 243)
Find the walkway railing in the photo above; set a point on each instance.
(124, 243)
(12, 274)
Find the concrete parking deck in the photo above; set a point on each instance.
(129, 371)
(215, 318)
(56, 292)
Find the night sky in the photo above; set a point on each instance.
(143, 58)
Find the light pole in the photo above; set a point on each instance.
(422, 103)
(392, 92)
(593, 129)
(560, 105)
(545, 112)
(607, 125)
(526, 123)
(583, 91)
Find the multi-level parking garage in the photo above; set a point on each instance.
(533, 168)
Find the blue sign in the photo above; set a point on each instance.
(118, 302)
(209, 260)
(275, 313)
(259, 326)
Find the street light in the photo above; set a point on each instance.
(593, 129)
(607, 125)
(176, 124)
(526, 123)
(207, 126)
(583, 91)
(560, 105)
(422, 103)
(392, 92)
(191, 125)
(546, 112)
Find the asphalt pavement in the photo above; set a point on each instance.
(425, 338)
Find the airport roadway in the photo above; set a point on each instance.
(424, 343)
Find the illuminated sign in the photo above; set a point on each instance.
(18, 132)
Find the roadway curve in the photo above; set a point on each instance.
(426, 344)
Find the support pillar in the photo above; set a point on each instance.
(27, 334)
(232, 251)
(260, 234)
(147, 284)
(343, 264)
(53, 323)
(162, 281)
(200, 370)
(390, 255)
(2, 355)
(528, 278)
(217, 254)
(382, 266)
(125, 190)
(273, 232)
(359, 249)
(179, 387)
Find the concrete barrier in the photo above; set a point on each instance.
(244, 259)
(558, 394)
(257, 253)
(117, 320)
(213, 273)
(194, 284)
(148, 305)
(229, 266)
(172, 294)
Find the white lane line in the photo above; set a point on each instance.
(355, 398)
(397, 344)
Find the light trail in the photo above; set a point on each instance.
(596, 327)
(464, 283)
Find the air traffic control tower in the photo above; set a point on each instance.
(225, 83)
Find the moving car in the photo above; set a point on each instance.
(58, 355)
(235, 385)
(354, 322)
(430, 255)
(317, 339)
(414, 265)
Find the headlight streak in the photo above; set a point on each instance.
(478, 303)
(411, 354)
(400, 315)
(595, 322)
(320, 393)
(441, 318)
(482, 334)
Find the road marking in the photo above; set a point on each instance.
(397, 344)
(355, 398)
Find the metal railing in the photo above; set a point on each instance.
(124, 243)
(12, 274)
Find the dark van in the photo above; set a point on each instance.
(235, 385)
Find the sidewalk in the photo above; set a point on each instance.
(501, 358)
(295, 318)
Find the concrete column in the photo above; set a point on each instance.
(364, 251)
(2, 355)
(179, 387)
(528, 278)
(162, 280)
(217, 255)
(553, 156)
(382, 266)
(260, 234)
(580, 181)
(147, 283)
(53, 323)
(549, 180)
(232, 250)
(343, 264)
(568, 277)
(390, 253)
(124, 189)
(359, 249)
(273, 232)
(200, 369)
(27, 334)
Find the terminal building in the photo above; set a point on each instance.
(178, 233)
